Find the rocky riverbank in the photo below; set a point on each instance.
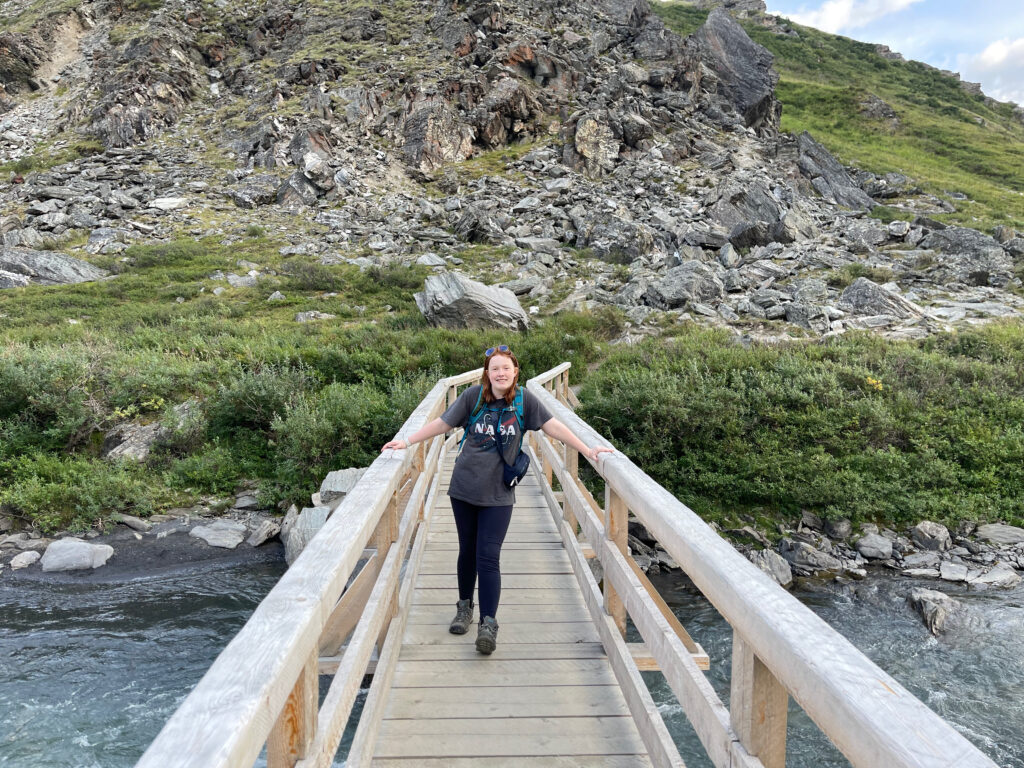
(979, 557)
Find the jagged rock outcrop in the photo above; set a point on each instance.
(829, 178)
(453, 300)
(743, 68)
(21, 266)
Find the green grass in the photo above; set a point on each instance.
(948, 140)
(278, 401)
(860, 427)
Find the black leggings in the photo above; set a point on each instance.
(481, 533)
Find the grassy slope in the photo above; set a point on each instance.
(948, 140)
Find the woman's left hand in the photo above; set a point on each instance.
(593, 452)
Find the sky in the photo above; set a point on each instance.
(983, 40)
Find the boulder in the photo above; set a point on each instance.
(131, 441)
(865, 297)
(774, 565)
(828, 177)
(266, 530)
(302, 530)
(874, 547)
(338, 483)
(691, 281)
(435, 135)
(1002, 575)
(73, 554)
(933, 537)
(743, 68)
(806, 557)
(47, 267)
(997, 533)
(226, 534)
(597, 144)
(24, 560)
(452, 300)
(935, 608)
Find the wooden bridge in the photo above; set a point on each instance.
(563, 687)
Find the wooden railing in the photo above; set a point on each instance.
(263, 688)
(780, 647)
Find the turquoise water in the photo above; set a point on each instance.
(90, 672)
(973, 676)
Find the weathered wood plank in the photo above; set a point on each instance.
(296, 725)
(501, 672)
(467, 651)
(509, 632)
(509, 737)
(508, 614)
(489, 701)
(514, 581)
(509, 596)
(547, 761)
(757, 706)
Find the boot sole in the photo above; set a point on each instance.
(455, 630)
(485, 645)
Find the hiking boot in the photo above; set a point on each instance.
(463, 617)
(487, 635)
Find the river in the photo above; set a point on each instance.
(91, 671)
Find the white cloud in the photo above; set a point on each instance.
(1000, 69)
(838, 15)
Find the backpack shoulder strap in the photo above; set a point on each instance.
(472, 417)
(519, 405)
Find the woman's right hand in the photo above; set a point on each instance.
(394, 445)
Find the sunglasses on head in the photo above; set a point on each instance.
(492, 350)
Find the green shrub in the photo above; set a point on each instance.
(212, 469)
(252, 399)
(71, 492)
(860, 427)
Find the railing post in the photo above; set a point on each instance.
(616, 530)
(384, 537)
(295, 727)
(571, 458)
(757, 706)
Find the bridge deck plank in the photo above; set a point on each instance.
(547, 696)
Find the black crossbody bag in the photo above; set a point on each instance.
(516, 471)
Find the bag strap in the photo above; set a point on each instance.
(472, 415)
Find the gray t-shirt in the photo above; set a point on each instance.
(478, 468)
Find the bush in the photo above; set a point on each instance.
(341, 426)
(70, 492)
(252, 399)
(859, 427)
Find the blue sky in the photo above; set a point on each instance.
(983, 40)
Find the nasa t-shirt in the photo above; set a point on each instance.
(479, 468)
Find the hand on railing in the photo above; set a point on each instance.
(591, 453)
(394, 445)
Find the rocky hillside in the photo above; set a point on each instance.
(594, 156)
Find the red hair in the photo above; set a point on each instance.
(485, 381)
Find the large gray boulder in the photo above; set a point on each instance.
(690, 281)
(743, 68)
(970, 257)
(435, 135)
(828, 177)
(299, 531)
(931, 536)
(338, 484)
(225, 534)
(743, 202)
(45, 268)
(773, 564)
(73, 554)
(874, 546)
(935, 608)
(865, 297)
(453, 300)
(997, 533)
(805, 557)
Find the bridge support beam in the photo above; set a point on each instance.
(296, 725)
(757, 706)
(616, 530)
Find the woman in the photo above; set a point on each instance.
(481, 501)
